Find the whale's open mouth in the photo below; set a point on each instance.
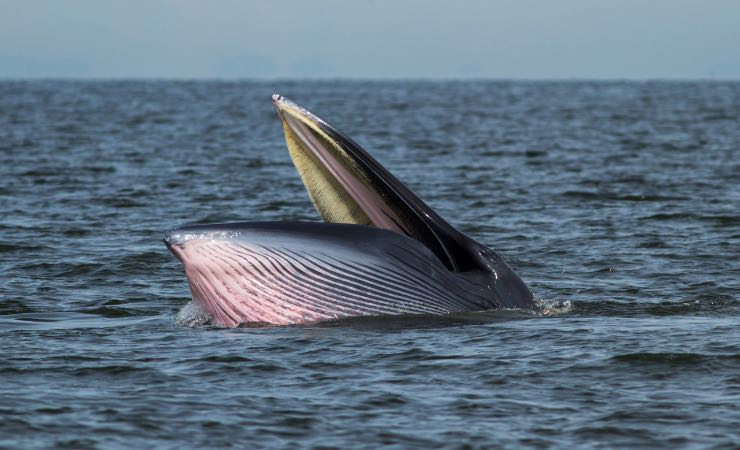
(347, 185)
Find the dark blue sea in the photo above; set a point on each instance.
(617, 202)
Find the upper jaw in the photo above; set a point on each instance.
(348, 185)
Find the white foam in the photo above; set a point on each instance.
(553, 307)
(192, 315)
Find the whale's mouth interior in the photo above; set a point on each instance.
(338, 188)
(346, 185)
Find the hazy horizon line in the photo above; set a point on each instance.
(368, 79)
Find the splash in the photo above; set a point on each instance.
(192, 315)
(553, 307)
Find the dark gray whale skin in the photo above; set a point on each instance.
(398, 256)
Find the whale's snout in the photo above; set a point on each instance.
(171, 237)
(175, 241)
(281, 103)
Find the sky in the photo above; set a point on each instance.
(503, 39)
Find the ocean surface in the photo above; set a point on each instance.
(617, 202)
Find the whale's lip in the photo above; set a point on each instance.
(179, 236)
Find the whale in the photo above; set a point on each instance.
(380, 250)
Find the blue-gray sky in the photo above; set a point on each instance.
(370, 38)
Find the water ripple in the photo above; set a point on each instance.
(616, 201)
